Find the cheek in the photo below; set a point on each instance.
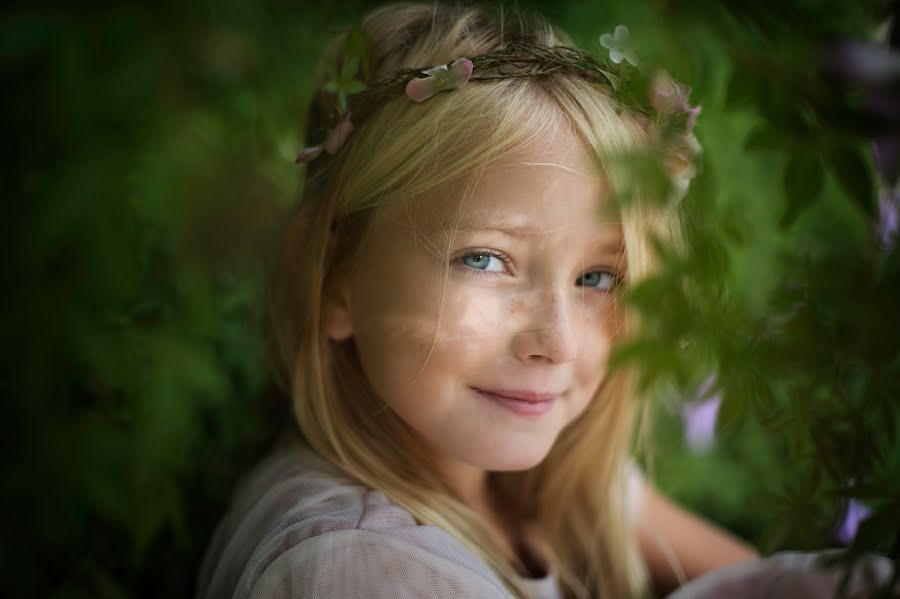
(414, 338)
(393, 331)
(474, 325)
(596, 336)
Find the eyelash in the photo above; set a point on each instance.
(507, 261)
(483, 252)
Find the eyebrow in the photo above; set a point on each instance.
(612, 246)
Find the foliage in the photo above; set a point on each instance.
(148, 164)
(151, 158)
(787, 287)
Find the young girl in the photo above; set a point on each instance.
(441, 314)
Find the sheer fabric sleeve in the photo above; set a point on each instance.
(788, 575)
(357, 564)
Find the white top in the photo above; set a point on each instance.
(791, 575)
(297, 527)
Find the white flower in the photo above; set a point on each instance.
(619, 46)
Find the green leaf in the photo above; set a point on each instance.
(331, 70)
(350, 68)
(741, 91)
(107, 586)
(732, 409)
(760, 391)
(764, 138)
(356, 46)
(614, 81)
(854, 176)
(802, 183)
(354, 87)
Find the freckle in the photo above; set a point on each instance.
(516, 305)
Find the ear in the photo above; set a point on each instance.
(337, 322)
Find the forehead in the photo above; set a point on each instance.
(549, 187)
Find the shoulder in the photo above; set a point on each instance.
(360, 563)
(298, 528)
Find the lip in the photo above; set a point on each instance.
(523, 402)
(520, 394)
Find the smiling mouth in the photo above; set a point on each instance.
(522, 402)
(521, 394)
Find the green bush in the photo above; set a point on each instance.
(149, 160)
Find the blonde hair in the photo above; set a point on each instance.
(576, 495)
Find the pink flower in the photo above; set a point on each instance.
(670, 98)
(334, 139)
(308, 154)
(337, 136)
(680, 161)
(440, 78)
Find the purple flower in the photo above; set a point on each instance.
(889, 216)
(699, 421)
(334, 139)
(855, 514)
(861, 64)
(875, 71)
(698, 417)
(619, 46)
(440, 78)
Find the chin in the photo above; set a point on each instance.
(515, 461)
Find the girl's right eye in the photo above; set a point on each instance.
(484, 261)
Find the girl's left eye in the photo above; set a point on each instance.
(598, 279)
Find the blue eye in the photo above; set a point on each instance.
(483, 261)
(598, 279)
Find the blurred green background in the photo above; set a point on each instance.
(148, 160)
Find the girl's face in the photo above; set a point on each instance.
(511, 293)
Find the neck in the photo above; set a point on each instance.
(470, 483)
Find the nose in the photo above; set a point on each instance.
(548, 334)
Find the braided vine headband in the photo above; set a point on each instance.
(661, 99)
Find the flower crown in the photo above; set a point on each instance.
(660, 99)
